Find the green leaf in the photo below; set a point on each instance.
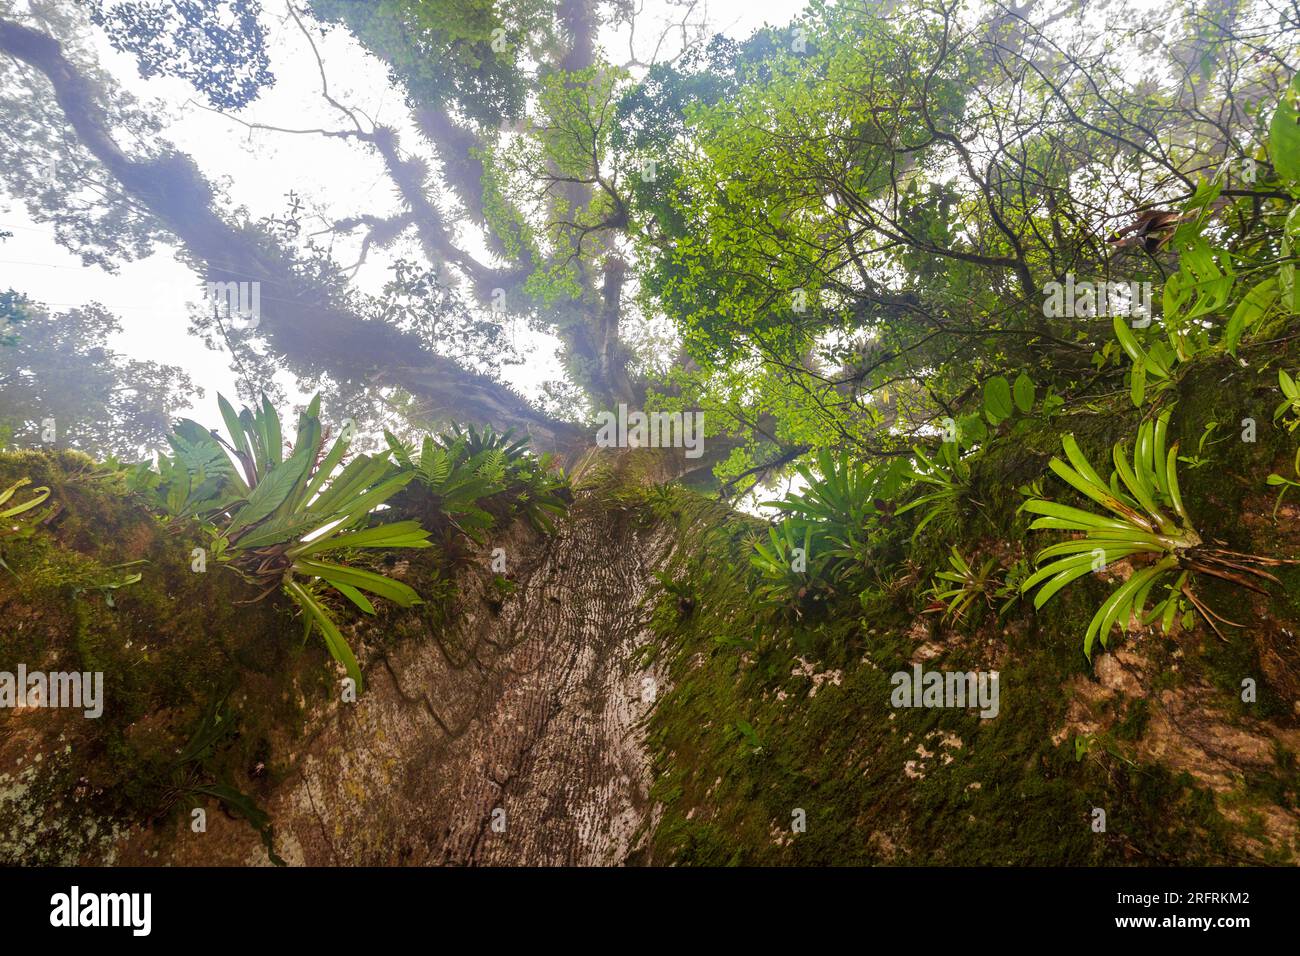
(997, 399)
(1097, 492)
(1138, 383)
(334, 641)
(1253, 305)
(323, 470)
(272, 490)
(1064, 577)
(244, 805)
(1024, 393)
(40, 494)
(198, 451)
(363, 504)
(1080, 461)
(274, 440)
(1284, 135)
(399, 452)
(397, 592)
(1139, 487)
(359, 474)
(1175, 494)
(256, 440)
(356, 597)
(233, 425)
(399, 534)
(282, 529)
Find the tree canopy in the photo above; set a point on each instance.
(833, 233)
(1004, 294)
(63, 387)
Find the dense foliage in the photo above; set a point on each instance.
(292, 520)
(62, 385)
(927, 262)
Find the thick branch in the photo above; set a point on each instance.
(295, 318)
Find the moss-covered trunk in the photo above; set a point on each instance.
(617, 695)
(501, 722)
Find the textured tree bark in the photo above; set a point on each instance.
(513, 731)
(513, 738)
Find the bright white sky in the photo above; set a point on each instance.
(333, 178)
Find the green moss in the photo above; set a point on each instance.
(874, 784)
(169, 646)
(1007, 794)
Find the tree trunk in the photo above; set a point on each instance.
(528, 723)
(514, 737)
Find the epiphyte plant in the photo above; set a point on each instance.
(276, 522)
(1148, 525)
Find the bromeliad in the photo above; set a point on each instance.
(275, 518)
(1147, 523)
